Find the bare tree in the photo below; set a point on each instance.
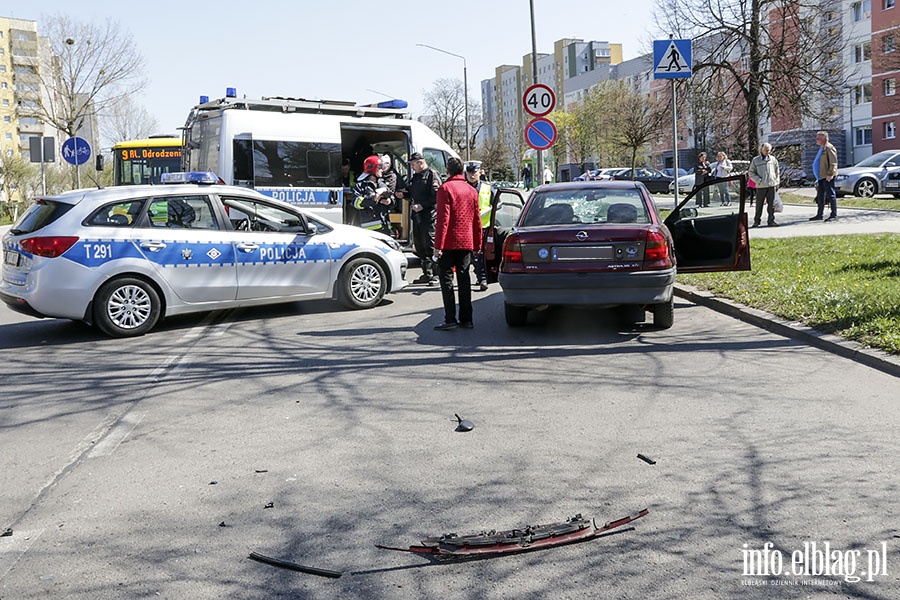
(494, 156)
(126, 120)
(446, 113)
(91, 66)
(640, 120)
(777, 56)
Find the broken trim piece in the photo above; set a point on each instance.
(534, 537)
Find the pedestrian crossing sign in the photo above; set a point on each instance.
(671, 59)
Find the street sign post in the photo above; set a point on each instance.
(76, 151)
(672, 60)
(540, 133)
(539, 100)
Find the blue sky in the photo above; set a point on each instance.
(337, 50)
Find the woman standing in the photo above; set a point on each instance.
(723, 168)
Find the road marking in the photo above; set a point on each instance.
(116, 435)
(13, 547)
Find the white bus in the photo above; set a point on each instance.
(292, 149)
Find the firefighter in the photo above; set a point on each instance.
(473, 176)
(372, 198)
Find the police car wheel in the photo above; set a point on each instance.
(126, 307)
(362, 284)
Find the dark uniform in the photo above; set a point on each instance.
(423, 187)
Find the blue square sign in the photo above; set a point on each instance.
(672, 59)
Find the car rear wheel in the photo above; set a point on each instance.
(664, 314)
(865, 188)
(362, 284)
(126, 307)
(516, 316)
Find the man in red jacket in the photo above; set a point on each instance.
(457, 235)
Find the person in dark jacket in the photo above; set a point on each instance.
(457, 236)
(702, 171)
(422, 190)
(373, 199)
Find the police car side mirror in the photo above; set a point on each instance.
(312, 228)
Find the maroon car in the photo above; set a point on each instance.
(603, 244)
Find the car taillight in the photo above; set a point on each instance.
(49, 247)
(656, 250)
(512, 250)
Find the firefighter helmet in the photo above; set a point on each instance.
(371, 164)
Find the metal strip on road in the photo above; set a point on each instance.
(13, 547)
(117, 434)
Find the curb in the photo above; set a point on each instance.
(870, 357)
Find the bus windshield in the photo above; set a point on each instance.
(138, 162)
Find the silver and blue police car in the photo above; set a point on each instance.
(122, 258)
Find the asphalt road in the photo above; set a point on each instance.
(143, 468)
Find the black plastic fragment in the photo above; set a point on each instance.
(6, 533)
(294, 566)
(464, 424)
(649, 461)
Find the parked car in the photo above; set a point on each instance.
(608, 173)
(655, 181)
(122, 258)
(581, 177)
(864, 178)
(686, 182)
(603, 244)
(671, 172)
(793, 176)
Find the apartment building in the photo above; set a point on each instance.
(571, 69)
(20, 85)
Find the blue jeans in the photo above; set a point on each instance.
(825, 193)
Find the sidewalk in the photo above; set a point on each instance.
(794, 222)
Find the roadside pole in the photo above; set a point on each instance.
(672, 60)
(539, 170)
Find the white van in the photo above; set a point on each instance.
(291, 149)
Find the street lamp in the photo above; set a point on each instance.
(465, 90)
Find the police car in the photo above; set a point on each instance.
(122, 258)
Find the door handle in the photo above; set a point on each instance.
(248, 247)
(153, 246)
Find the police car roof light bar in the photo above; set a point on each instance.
(199, 177)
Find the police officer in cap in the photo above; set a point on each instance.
(422, 189)
(473, 176)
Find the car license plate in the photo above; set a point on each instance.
(583, 253)
(892, 185)
(11, 258)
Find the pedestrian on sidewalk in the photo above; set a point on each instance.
(825, 169)
(765, 173)
(457, 236)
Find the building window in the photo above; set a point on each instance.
(890, 87)
(887, 44)
(888, 4)
(862, 93)
(890, 130)
(862, 52)
(862, 136)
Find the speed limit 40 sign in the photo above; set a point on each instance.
(539, 100)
